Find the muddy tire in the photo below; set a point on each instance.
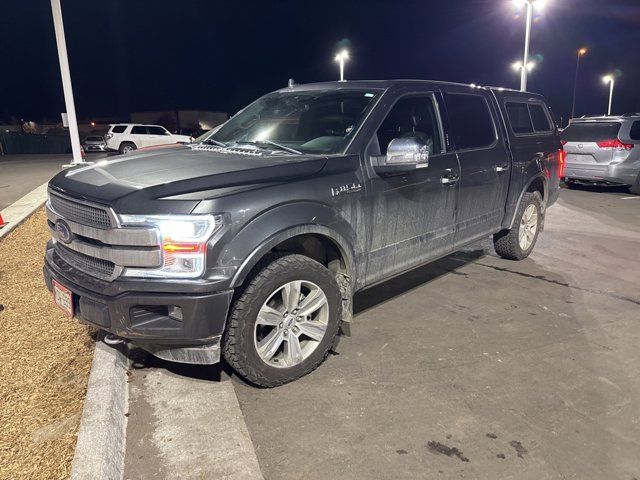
(284, 323)
(518, 243)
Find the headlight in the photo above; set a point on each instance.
(183, 241)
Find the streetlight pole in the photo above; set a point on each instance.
(66, 81)
(529, 4)
(527, 42)
(610, 79)
(340, 58)
(581, 53)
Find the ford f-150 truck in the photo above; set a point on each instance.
(250, 242)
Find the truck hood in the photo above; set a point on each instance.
(133, 182)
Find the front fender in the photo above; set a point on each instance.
(281, 223)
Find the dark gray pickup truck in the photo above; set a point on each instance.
(251, 241)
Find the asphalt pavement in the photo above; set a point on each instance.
(472, 367)
(20, 174)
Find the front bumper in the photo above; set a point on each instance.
(141, 315)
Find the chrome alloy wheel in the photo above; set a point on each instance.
(291, 324)
(127, 149)
(528, 227)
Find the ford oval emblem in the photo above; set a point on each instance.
(64, 231)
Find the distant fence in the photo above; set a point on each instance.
(17, 142)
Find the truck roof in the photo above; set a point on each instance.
(385, 84)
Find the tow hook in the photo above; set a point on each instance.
(111, 339)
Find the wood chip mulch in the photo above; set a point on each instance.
(45, 360)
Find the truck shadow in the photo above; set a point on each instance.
(405, 283)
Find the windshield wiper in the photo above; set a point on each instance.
(273, 144)
(211, 141)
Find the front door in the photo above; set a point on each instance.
(485, 163)
(412, 213)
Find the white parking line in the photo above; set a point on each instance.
(630, 198)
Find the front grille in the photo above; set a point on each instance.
(91, 265)
(80, 213)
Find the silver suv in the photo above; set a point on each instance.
(603, 150)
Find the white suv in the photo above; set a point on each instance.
(127, 137)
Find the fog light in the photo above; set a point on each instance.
(175, 312)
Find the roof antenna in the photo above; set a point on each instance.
(292, 83)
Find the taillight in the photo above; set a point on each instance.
(615, 144)
(562, 159)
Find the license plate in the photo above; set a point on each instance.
(63, 298)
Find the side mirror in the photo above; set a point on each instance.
(403, 155)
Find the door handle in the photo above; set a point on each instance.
(503, 167)
(449, 178)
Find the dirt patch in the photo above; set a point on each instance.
(45, 360)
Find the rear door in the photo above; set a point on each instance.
(485, 166)
(139, 136)
(587, 148)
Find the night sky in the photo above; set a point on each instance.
(136, 55)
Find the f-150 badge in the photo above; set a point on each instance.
(344, 189)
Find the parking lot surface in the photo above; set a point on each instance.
(19, 174)
(472, 367)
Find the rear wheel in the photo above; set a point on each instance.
(284, 323)
(127, 147)
(518, 243)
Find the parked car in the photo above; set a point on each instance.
(127, 137)
(252, 242)
(603, 151)
(94, 143)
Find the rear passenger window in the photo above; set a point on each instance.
(634, 134)
(471, 121)
(138, 130)
(519, 117)
(539, 117)
(118, 128)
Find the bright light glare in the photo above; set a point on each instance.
(582, 51)
(539, 4)
(343, 55)
(517, 66)
(607, 79)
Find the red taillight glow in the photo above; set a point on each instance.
(615, 144)
(562, 157)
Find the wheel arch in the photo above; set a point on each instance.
(538, 183)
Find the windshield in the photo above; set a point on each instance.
(318, 121)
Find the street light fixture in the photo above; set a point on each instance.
(611, 80)
(581, 53)
(530, 5)
(340, 58)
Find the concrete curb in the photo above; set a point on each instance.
(19, 211)
(100, 449)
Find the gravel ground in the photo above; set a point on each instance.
(45, 360)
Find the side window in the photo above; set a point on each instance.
(156, 131)
(139, 130)
(413, 116)
(634, 134)
(519, 118)
(118, 128)
(539, 117)
(471, 122)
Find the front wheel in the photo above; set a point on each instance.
(518, 243)
(284, 323)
